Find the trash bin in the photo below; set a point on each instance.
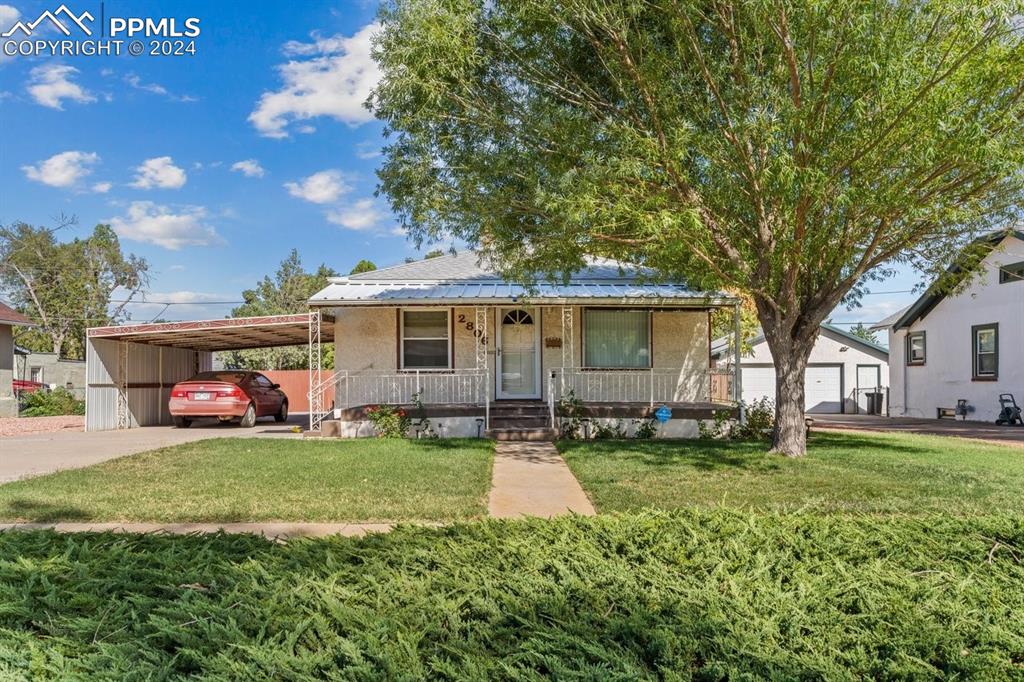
(874, 402)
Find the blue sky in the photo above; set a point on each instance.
(214, 166)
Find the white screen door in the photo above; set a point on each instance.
(518, 357)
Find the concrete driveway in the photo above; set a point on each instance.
(44, 453)
(1010, 435)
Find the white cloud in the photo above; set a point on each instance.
(250, 168)
(335, 79)
(161, 225)
(369, 149)
(159, 172)
(136, 82)
(8, 16)
(177, 267)
(51, 84)
(62, 170)
(319, 188)
(362, 215)
(102, 187)
(185, 305)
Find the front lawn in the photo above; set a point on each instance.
(710, 595)
(842, 472)
(254, 479)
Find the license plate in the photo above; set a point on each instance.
(201, 396)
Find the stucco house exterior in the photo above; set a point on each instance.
(9, 319)
(968, 345)
(489, 356)
(50, 369)
(842, 371)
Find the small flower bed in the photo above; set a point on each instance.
(389, 421)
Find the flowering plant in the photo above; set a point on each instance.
(388, 421)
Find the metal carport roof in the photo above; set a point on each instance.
(233, 333)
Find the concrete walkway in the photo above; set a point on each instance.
(532, 479)
(273, 529)
(44, 453)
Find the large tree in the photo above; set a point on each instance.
(67, 286)
(791, 151)
(287, 292)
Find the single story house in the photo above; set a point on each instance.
(9, 319)
(485, 355)
(968, 345)
(842, 372)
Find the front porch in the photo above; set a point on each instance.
(537, 351)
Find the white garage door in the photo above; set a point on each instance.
(822, 387)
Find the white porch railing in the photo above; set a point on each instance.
(451, 387)
(355, 388)
(651, 386)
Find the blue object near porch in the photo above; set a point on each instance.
(663, 414)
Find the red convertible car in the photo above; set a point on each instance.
(227, 395)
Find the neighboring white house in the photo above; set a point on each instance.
(968, 346)
(842, 371)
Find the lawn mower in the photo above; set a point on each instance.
(1010, 414)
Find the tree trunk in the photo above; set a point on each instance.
(790, 355)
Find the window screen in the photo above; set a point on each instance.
(425, 339)
(616, 338)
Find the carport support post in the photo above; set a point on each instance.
(737, 381)
(122, 386)
(316, 393)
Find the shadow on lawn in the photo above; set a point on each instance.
(33, 511)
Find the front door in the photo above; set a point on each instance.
(518, 354)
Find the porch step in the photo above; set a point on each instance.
(538, 434)
(518, 409)
(506, 421)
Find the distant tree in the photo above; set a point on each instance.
(791, 151)
(67, 286)
(860, 331)
(287, 292)
(723, 323)
(434, 253)
(363, 266)
(410, 259)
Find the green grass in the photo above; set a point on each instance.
(709, 595)
(233, 479)
(871, 473)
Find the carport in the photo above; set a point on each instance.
(130, 369)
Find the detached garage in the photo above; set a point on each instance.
(842, 372)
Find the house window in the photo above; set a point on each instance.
(36, 374)
(986, 351)
(616, 339)
(425, 339)
(916, 351)
(1011, 273)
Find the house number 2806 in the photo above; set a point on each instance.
(471, 326)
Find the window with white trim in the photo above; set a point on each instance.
(986, 351)
(616, 339)
(426, 343)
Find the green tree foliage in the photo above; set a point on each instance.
(723, 324)
(790, 151)
(433, 253)
(59, 401)
(363, 266)
(860, 331)
(287, 292)
(67, 286)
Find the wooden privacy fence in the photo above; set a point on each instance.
(295, 384)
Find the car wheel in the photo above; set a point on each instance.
(182, 422)
(249, 418)
(282, 414)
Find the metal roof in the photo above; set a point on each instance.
(465, 279)
(235, 333)
(720, 345)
